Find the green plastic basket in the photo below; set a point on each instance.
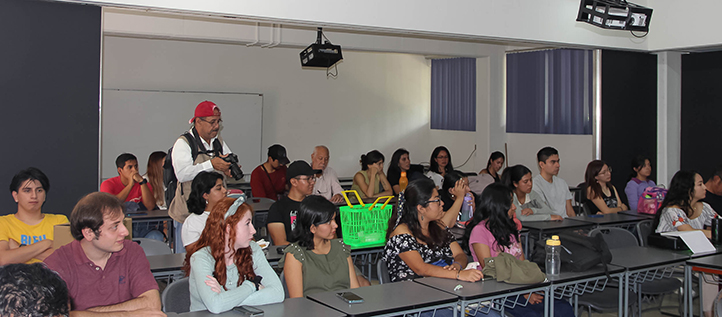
(362, 226)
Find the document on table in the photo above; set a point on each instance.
(696, 241)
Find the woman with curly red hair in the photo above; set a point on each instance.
(226, 267)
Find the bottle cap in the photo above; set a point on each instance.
(403, 174)
(555, 237)
(554, 242)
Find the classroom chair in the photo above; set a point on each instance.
(176, 297)
(382, 271)
(283, 282)
(644, 229)
(153, 247)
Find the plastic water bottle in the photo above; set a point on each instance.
(554, 260)
(403, 181)
(467, 208)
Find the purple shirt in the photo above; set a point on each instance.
(480, 234)
(635, 188)
(126, 275)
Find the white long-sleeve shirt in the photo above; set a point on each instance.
(185, 171)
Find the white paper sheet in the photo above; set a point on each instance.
(695, 240)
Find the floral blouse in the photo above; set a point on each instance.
(672, 218)
(398, 270)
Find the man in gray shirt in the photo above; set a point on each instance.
(553, 190)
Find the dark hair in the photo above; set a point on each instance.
(545, 153)
(717, 172)
(155, 175)
(493, 206)
(30, 173)
(418, 193)
(514, 174)
(680, 193)
(494, 156)
(450, 180)
(370, 158)
(314, 210)
(202, 184)
(638, 162)
(593, 169)
(89, 212)
(32, 290)
(435, 166)
(120, 161)
(394, 165)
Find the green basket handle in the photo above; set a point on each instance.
(388, 198)
(360, 201)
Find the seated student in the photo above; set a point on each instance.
(129, 186)
(641, 170)
(154, 175)
(418, 244)
(226, 268)
(269, 179)
(493, 231)
(106, 274)
(370, 181)
(553, 190)
(282, 215)
(494, 165)
(713, 196)
(683, 210)
(529, 206)
(400, 162)
(440, 164)
(32, 290)
(27, 235)
(456, 186)
(602, 196)
(206, 190)
(327, 184)
(317, 262)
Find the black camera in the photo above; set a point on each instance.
(236, 171)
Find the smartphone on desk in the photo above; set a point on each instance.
(249, 311)
(350, 298)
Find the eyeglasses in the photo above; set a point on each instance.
(609, 171)
(308, 179)
(212, 122)
(437, 200)
(441, 157)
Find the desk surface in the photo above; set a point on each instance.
(289, 307)
(641, 257)
(386, 298)
(596, 271)
(608, 219)
(150, 215)
(474, 290)
(567, 223)
(166, 262)
(636, 214)
(710, 262)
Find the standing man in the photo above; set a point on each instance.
(714, 190)
(205, 126)
(129, 186)
(106, 274)
(282, 214)
(27, 235)
(553, 190)
(269, 179)
(327, 184)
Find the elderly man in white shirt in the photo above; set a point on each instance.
(327, 184)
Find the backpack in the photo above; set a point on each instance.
(580, 252)
(651, 199)
(170, 181)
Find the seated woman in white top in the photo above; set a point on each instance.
(440, 164)
(529, 205)
(226, 268)
(206, 190)
(682, 210)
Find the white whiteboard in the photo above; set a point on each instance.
(141, 122)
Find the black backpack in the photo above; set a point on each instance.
(579, 253)
(169, 179)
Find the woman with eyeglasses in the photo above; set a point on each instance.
(455, 188)
(317, 261)
(226, 268)
(370, 181)
(602, 196)
(440, 164)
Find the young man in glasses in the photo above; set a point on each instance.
(282, 214)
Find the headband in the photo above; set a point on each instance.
(232, 210)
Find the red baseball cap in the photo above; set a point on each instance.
(204, 109)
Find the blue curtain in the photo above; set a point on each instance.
(549, 92)
(453, 94)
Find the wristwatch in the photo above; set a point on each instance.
(145, 181)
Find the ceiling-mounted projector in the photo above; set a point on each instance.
(615, 14)
(321, 55)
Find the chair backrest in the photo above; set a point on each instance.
(644, 229)
(615, 237)
(382, 271)
(717, 306)
(176, 297)
(152, 246)
(283, 282)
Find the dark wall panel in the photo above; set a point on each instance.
(629, 112)
(701, 139)
(49, 83)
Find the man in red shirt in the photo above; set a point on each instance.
(106, 274)
(129, 185)
(269, 179)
